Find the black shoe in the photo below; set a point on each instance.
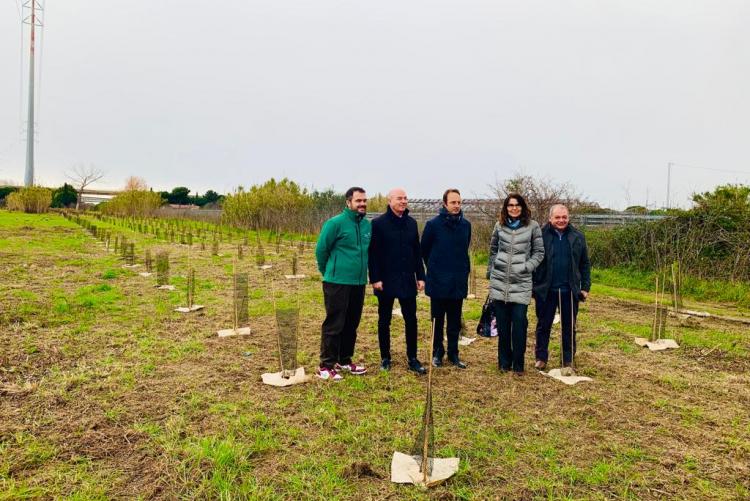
(385, 365)
(437, 362)
(458, 363)
(416, 366)
(504, 369)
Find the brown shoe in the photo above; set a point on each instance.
(540, 365)
(518, 373)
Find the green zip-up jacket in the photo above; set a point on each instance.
(342, 247)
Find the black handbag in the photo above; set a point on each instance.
(484, 327)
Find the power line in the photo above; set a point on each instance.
(675, 164)
(729, 171)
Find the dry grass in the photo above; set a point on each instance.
(105, 392)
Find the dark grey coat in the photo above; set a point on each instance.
(514, 255)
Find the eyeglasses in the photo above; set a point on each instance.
(513, 205)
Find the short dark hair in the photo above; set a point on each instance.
(450, 190)
(525, 212)
(350, 192)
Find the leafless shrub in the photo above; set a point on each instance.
(540, 195)
(82, 176)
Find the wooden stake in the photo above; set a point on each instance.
(572, 333)
(190, 281)
(234, 294)
(655, 328)
(278, 329)
(428, 405)
(559, 308)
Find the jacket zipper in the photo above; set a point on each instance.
(510, 262)
(359, 244)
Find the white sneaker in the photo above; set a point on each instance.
(327, 374)
(354, 369)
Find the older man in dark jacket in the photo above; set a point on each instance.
(560, 282)
(396, 272)
(445, 249)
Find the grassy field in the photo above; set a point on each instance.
(105, 392)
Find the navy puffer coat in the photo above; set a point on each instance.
(445, 250)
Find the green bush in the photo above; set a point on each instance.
(5, 191)
(134, 203)
(33, 200)
(709, 241)
(64, 196)
(274, 205)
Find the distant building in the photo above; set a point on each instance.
(95, 197)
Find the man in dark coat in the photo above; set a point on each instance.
(396, 272)
(445, 250)
(560, 282)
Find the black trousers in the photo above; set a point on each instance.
(512, 325)
(385, 312)
(339, 331)
(441, 309)
(545, 315)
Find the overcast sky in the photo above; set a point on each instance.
(424, 94)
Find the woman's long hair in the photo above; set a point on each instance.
(525, 216)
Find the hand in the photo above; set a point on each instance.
(420, 285)
(377, 286)
(585, 294)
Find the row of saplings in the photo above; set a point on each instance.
(420, 466)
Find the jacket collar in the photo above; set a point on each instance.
(353, 215)
(450, 219)
(568, 231)
(393, 215)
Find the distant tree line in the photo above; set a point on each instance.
(180, 195)
(37, 199)
(710, 240)
(287, 206)
(66, 196)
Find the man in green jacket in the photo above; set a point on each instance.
(341, 254)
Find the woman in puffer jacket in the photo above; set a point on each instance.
(516, 249)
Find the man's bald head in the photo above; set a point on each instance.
(397, 201)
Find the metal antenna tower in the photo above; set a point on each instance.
(33, 21)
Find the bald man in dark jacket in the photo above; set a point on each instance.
(396, 272)
(561, 281)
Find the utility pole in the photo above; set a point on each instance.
(32, 22)
(669, 181)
